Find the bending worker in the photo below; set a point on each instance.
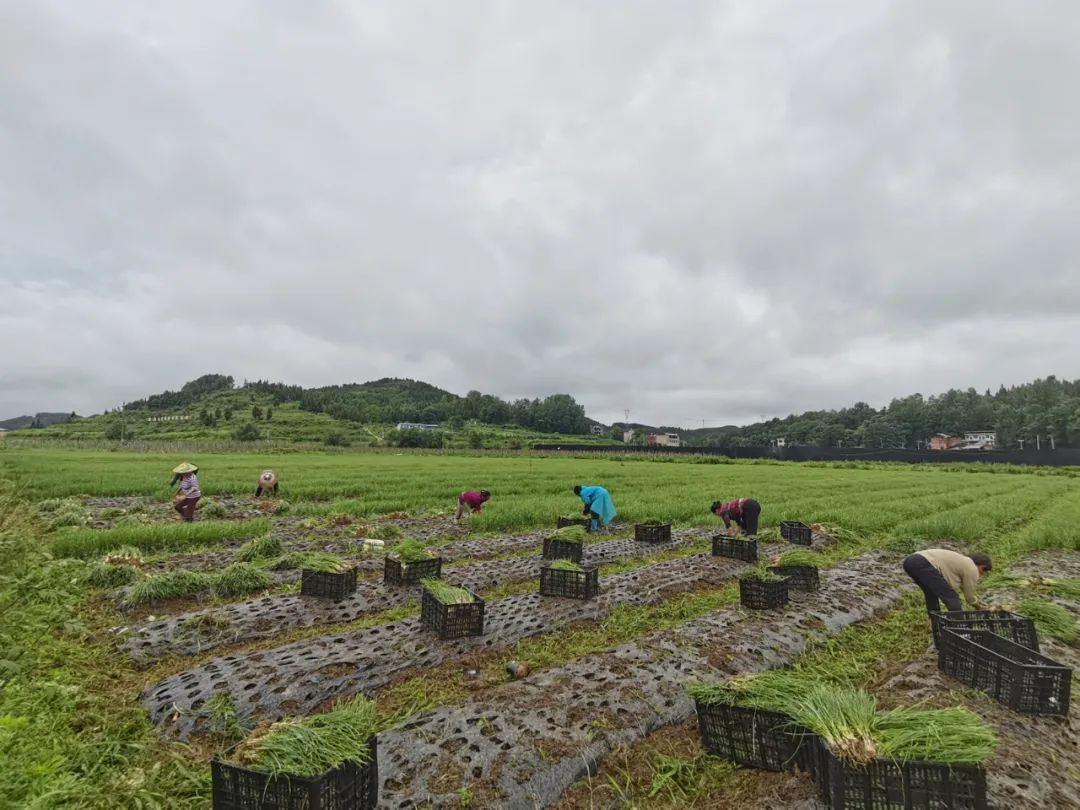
(473, 500)
(598, 504)
(941, 573)
(187, 497)
(743, 512)
(267, 483)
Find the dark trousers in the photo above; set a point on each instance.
(933, 584)
(186, 508)
(751, 511)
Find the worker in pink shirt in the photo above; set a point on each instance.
(473, 500)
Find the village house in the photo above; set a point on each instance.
(663, 439)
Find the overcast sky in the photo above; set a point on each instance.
(695, 210)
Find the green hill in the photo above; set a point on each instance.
(213, 409)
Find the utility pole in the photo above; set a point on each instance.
(1052, 442)
(1021, 445)
(1038, 443)
(626, 413)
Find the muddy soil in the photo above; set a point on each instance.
(526, 742)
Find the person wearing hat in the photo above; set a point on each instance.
(743, 512)
(267, 483)
(598, 504)
(473, 500)
(187, 496)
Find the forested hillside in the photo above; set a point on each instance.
(1043, 408)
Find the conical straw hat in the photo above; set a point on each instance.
(184, 467)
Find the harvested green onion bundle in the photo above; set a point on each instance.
(570, 534)
(319, 561)
(934, 735)
(762, 575)
(1050, 619)
(313, 745)
(410, 550)
(446, 593)
(258, 548)
(848, 720)
(565, 565)
(798, 556)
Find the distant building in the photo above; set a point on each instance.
(781, 442)
(628, 436)
(598, 430)
(415, 426)
(979, 440)
(663, 439)
(943, 441)
(167, 418)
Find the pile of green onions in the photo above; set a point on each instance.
(312, 745)
(445, 592)
(570, 534)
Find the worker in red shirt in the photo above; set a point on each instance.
(473, 500)
(743, 512)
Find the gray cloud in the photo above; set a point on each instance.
(695, 210)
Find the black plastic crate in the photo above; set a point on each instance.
(799, 577)
(573, 584)
(396, 572)
(556, 549)
(652, 532)
(581, 521)
(349, 787)
(795, 532)
(327, 585)
(724, 546)
(452, 621)
(754, 738)
(885, 784)
(763, 594)
(1022, 679)
(1018, 629)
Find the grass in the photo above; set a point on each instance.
(311, 560)
(159, 537)
(313, 745)
(799, 556)
(570, 534)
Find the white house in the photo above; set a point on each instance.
(598, 430)
(628, 436)
(663, 439)
(415, 426)
(979, 440)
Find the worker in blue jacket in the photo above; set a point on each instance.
(598, 504)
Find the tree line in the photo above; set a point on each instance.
(1025, 414)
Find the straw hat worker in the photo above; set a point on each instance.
(186, 498)
(268, 483)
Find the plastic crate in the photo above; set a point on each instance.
(556, 549)
(724, 546)
(652, 532)
(1022, 679)
(344, 788)
(326, 585)
(762, 594)
(396, 572)
(581, 521)
(1018, 629)
(885, 784)
(795, 532)
(754, 738)
(452, 621)
(573, 584)
(799, 577)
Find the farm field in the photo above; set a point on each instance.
(135, 647)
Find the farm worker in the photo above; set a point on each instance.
(743, 512)
(597, 504)
(941, 573)
(187, 497)
(267, 483)
(473, 500)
